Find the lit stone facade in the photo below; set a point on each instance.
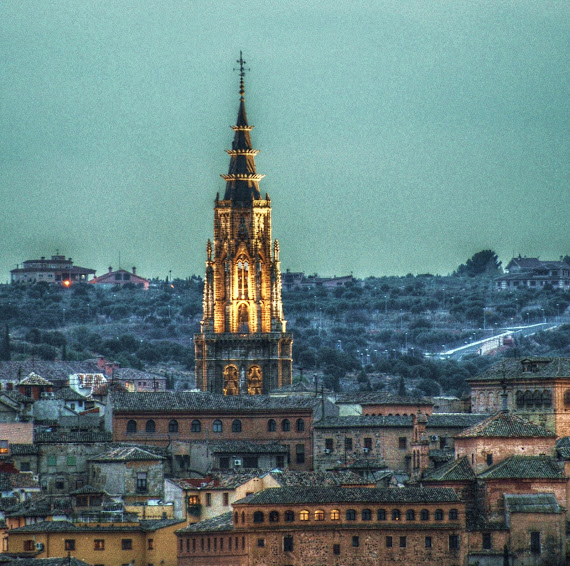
(243, 347)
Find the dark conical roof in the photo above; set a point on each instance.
(242, 180)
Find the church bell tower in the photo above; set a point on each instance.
(243, 347)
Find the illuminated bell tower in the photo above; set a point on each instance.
(243, 348)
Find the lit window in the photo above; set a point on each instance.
(69, 544)
(335, 515)
(319, 515)
(304, 515)
(99, 544)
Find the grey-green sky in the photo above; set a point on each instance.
(396, 136)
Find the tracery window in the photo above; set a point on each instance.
(243, 276)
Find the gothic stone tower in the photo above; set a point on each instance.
(242, 348)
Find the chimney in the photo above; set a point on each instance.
(110, 269)
(134, 270)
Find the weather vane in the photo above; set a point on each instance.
(242, 71)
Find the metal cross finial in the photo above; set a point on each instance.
(242, 71)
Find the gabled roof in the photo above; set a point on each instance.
(532, 503)
(302, 495)
(54, 371)
(456, 470)
(524, 467)
(506, 425)
(35, 379)
(125, 454)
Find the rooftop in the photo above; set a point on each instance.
(532, 503)
(126, 454)
(156, 401)
(511, 369)
(456, 470)
(302, 495)
(247, 447)
(222, 522)
(524, 467)
(506, 425)
(381, 398)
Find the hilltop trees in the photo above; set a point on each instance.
(484, 262)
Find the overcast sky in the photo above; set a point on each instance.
(395, 136)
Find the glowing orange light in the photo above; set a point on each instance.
(67, 283)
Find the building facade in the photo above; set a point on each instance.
(243, 347)
(58, 270)
(537, 389)
(332, 526)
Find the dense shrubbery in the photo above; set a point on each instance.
(378, 325)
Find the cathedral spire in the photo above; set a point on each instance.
(242, 180)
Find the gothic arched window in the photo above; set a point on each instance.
(243, 276)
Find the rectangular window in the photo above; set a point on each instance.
(71, 461)
(348, 444)
(288, 543)
(300, 453)
(250, 462)
(126, 544)
(368, 443)
(142, 482)
(403, 542)
(453, 542)
(428, 542)
(280, 462)
(535, 542)
(81, 501)
(355, 541)
(59, 483)
(52, 460)
(489, 459)
(329, 444)
(99, 544)
(150, 543)
(29, 545)
(389, 542)
(25, 467)
(402, 442)
(224, 463)
(487, 541)
(260, 542)
(336, 549)
(226, 497)
(193, 500)
(208, 499)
